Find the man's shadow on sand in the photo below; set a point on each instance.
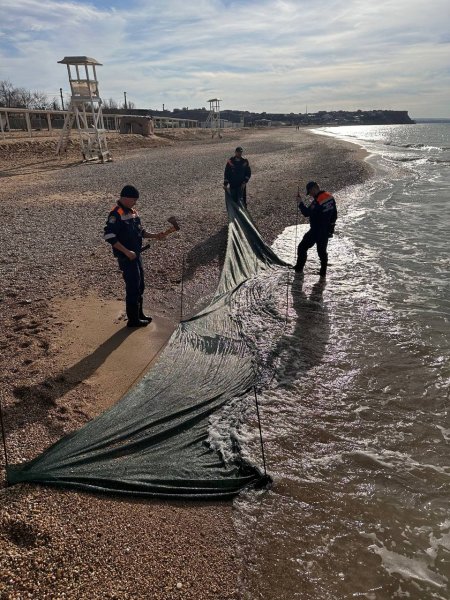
(303, 348)
(35, 401)
(206, 252)
(26, 169)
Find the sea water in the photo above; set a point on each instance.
(355, 389)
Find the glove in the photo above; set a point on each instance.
(331, 231)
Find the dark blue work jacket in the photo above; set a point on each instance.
(124, 225)
(237, 172)
(322, 213)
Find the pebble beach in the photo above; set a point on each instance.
(67, 354)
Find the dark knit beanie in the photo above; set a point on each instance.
(129, 191)
(310, 185)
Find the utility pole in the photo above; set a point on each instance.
(62, 99)
(163, 106)
(125, 103)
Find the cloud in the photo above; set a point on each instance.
(265, 55)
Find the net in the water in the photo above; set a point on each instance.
(154, 441)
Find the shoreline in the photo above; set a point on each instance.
(56, 378)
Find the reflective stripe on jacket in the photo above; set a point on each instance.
(322, 212)
(123, 225)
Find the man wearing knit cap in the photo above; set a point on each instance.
(124, 231)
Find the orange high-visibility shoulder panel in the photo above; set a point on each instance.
(118, 209)
(323, 197)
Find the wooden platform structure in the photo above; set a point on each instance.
(213, 120)
(85, 109)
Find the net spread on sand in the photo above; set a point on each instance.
(154, 440)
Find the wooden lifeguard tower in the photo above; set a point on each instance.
(85, 109)
(213, 120)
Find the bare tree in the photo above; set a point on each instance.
(128, 106)
(23, 97)
(6, 93)
(110, 103)
(39, 100)
(55, 103)
(12, 97)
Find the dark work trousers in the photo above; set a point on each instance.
(309, 239)
(133, 275)
(237, 193)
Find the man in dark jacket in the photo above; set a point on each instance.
(236, 176)
(322, 215)
(124, 231)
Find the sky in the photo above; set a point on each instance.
(266, 55)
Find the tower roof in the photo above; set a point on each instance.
(78, 60)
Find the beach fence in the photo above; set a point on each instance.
(29, 123)
(224, 124)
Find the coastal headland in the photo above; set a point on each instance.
(68, 356)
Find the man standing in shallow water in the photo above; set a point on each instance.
(124, 231)
(322, 215)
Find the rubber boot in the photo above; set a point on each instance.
(323, 270)
(301, 260)
(133, 316)
(142, 315)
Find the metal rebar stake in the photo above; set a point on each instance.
(260, 432)
(182, 288)
(287, 296)
(3, 437)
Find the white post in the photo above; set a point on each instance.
(49, 121)
(70, 79)
(28, 120)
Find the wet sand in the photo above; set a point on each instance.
(67, 355)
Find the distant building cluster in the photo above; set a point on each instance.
(322, 117)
